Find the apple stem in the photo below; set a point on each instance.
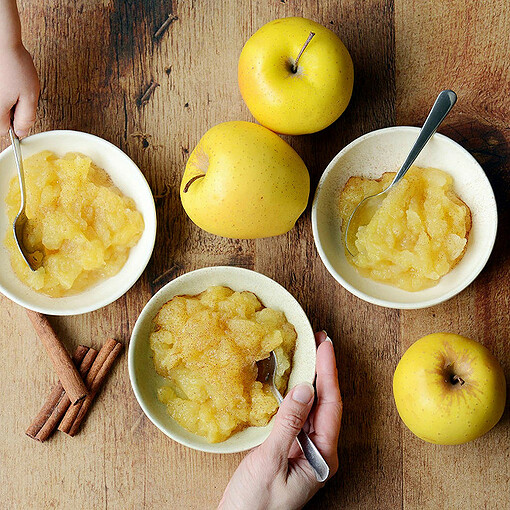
(191, 181)
(307, 42)
(456, 379)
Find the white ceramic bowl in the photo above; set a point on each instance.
(382, 151)
(145, 381)
(126, 176)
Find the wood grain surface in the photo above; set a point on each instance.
(95, 59)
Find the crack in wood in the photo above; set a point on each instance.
(149, 91)
(168, 275)
(165, 26)
(167, 189)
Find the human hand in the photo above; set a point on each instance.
(276, 474)
(19, 88)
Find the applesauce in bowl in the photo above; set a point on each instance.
(125, 176)
(79, 223)
(382, 151)
(206, 347)
(418, 234)
(146, 381)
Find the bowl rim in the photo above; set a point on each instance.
(384, 302)
(123, 289)
(143, 316)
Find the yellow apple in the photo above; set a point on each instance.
(244, 181)
(449, 389)
(291, 99)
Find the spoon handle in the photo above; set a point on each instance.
(19, 162)
(444, 103)
(313, 456)
(310, 451)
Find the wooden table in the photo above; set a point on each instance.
(95, 58)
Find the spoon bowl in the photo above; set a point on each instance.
(266, 370)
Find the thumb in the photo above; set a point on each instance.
(289, 421)
(25, 114)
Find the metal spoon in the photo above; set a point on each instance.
(33, 259)
(266, 374)
(444, 103)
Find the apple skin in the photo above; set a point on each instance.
(438, 411)
(295, 103)
(255, 183)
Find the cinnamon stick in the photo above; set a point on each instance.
(54, 398)
(74, 415)
(96, 385)
(63, 404)
(64, 367)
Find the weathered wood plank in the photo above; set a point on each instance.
(461, 46)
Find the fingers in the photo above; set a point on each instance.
(25, 114)
(328, 413)
(288, 422)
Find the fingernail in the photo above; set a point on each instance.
(21, 134)
(327, 339)
(303, 393)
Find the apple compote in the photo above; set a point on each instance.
(417, 235)
(206, 346)
(79, 224)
